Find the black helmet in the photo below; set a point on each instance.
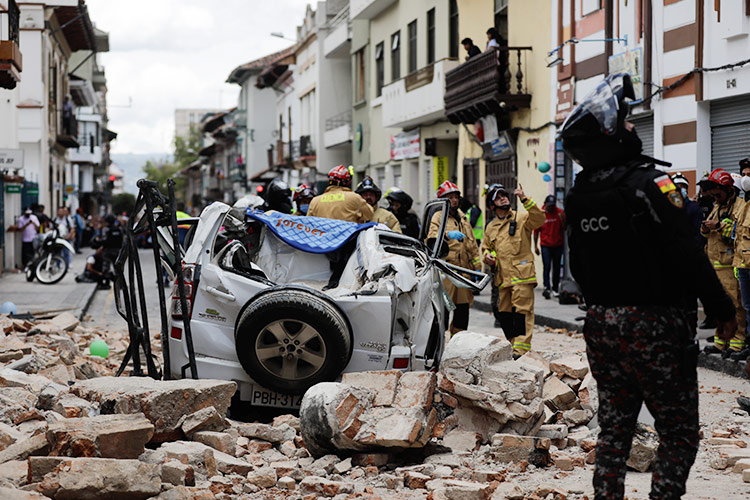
(400, 196)
(278, 196)
(489, 196)
(594, 134)
(368, 184)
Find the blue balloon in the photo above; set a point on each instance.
(546, 178)
(544, 167)
(8, 308)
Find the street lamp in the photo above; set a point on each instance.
(556, 51)
(278, 34)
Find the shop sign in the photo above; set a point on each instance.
(70, 188)
(405, 145)
(630, 61)
(11, 158)
(13, 188)
(440, 167)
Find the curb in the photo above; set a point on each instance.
(717, 364)
(87, 302)
(539, 319)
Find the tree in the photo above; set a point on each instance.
(123, 202)
(160, 171)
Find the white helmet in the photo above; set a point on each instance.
(737, 178)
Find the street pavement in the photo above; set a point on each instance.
(35, 297)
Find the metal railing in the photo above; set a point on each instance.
(340, 18)
(339, 120)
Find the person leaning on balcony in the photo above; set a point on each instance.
(507, 249)
(493, 38)
(372, 193)
(471, 49)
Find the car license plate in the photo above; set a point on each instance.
(262, 397)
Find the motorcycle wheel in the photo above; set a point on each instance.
(53, 273)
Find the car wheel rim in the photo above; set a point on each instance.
(290, 349)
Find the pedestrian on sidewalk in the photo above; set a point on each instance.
(507, 250)
(630, 243)
(553, 239)
(80, 225)
(28, 224)
(717, 229)
(66, 230)
(462, 252)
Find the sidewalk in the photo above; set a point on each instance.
(35, 297)
(547, 312)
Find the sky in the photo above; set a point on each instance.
(168, 54)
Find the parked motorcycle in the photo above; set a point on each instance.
(49, 264)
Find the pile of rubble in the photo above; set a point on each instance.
(727, 445)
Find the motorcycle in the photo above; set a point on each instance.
(49, 264)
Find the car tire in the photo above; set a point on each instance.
(289, 340)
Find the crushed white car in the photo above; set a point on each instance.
(258, 314)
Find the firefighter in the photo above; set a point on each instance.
(742, 256)
(630, 243)
(717, 229)
(303, 195)
(399, 203)
(462, 252)
(338, 201)
(507, 249)
(372, 193)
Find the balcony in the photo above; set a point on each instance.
(417, 98)
(367, 9)
(10, 64)
(338, 130)
(336, 44)
(85, 153)
(488, 83)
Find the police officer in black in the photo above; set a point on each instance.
(628, 234)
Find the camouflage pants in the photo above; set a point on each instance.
(637, 354)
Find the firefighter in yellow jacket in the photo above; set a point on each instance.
(507, 249)
(462, 251)
(717, 229)
(338, 201)
(742, 255)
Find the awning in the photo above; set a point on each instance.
(208, 150)
(82, 91)
(109, 135)
(68, 141)
(79, 33)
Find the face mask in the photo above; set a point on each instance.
(303, 208)
(503, 207)
(683, 192)
(745, 183)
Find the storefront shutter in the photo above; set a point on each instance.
(730, 132)
(644, 126)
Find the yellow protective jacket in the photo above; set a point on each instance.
(514, 258)
(720, 247)
(741, 234)
(341, 203)
(383, 216)
(460, 253)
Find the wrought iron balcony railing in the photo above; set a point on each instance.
(487, 83)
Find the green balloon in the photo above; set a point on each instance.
(99, 348)
(544, 167)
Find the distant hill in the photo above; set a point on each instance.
(131, 165)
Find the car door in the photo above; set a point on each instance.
(430, 209)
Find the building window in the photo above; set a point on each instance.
(360, 76)
(413, 46)
(395, 57)
(380, 63)
(453, 29)
(589, 6)
(431, 36)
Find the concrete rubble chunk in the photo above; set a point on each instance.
(741, 465)
(398, 430)
(454, 489)
(176, 473)
(286, 483)
(553, 431)
(643, 450)
(205, 419)
(370, 459)
(343, 466)
(49, 395)
(460, 440)
(264, 477)
(197, 455)
(325, 487)
(508, 491)
(383, 384)
(14, 473)
(9, 435)
(415, 390)
(164, 403)
(220, 441)
(536, 360)
(70, 406)
(65, 321)
(514, 448)
(105, 436)
(746, 476)
(416, 480)
(21, 450)
(186, 493)
(289, 420)
(102, 478)
(576, 417)
(558, 395)
(14, 494)
(588, 394)
(265, 432)
(32, 383)
(468, 352)
(572, 365)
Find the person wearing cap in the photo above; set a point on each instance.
(338, 201)
(372, 193)
(745, 167)
(28, 224)
(717, 229)
(462, 252)
(634, 256)
(694, 211)
(399, 203)
(553, 238)
(303, 195)
(507, 249)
